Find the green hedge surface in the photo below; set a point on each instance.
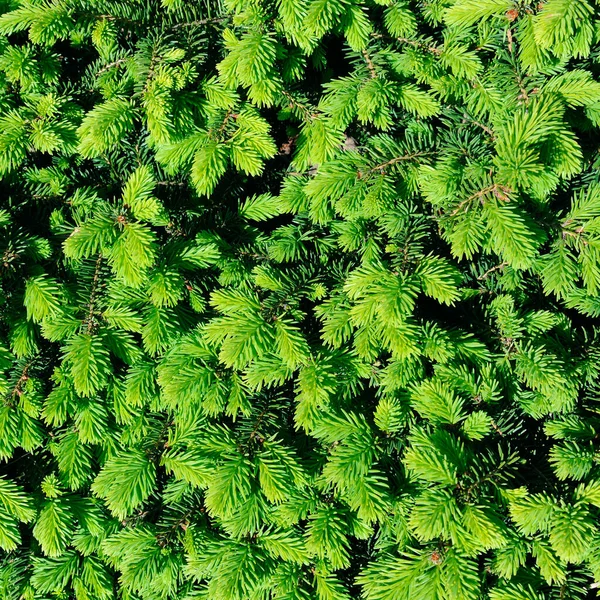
(299, 299)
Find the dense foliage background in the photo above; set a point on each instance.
(299, 299)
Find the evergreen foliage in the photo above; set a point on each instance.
(299, 299)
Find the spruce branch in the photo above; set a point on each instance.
(200, 22)
(399, 159)
(90, 321)
(289, 384)
(491, 270)
(110, 65)
(370, 65)
(17, 389)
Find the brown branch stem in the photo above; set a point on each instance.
(90, 318)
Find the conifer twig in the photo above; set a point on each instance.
(115, 63)
(370, 64)
(500, 191)
(91, 305)
(416, 44)
(309, 114)
(490, 271)
(398, 159)
(212, 21)
(22, 379)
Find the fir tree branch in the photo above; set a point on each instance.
(421, 45)
(485, 128)
(109, 66)
(492, 270)
(293, 103)
(90, 322)
(199, 22)
(499, 191)
(370, 64)
(23, 378)
(381, 167)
